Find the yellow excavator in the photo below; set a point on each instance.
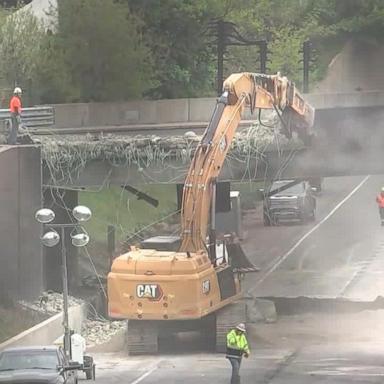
(164, 290)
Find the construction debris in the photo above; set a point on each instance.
(50, 303)
(66, 156)
(98, 332)
(260, 310)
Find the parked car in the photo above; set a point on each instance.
(316, 184)
(296, 202)
(38, 365)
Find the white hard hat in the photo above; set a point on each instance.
(190, 135)
(17, 90)
(241, 327)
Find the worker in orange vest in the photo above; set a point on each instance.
(15, 109)
(380, 203)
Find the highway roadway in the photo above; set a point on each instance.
(339, 256)
(326, 364)
(330, 258)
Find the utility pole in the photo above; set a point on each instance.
(227, 35)
(220, 55)
(263, 55)
(307, 47)
(67, 334)
(111, 243)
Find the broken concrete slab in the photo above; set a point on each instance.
(261, 310)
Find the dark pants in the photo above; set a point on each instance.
(381, 212)
(235, 378)
(14, 129)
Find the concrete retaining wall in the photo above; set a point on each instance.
(358, 67)
(49, 330)
(132, 112)
(22, 274)
(185, 110)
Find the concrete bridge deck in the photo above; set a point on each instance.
(349, 141)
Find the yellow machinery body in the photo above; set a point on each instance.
(146, 284)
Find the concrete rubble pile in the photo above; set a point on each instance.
(50, 303)
(95, 332)
(98, 332)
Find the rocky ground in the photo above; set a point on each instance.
(96, 329)
(50, 303)
(98, 332)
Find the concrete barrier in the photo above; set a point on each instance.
(184, 110)
(121, 113)
(201, 109)
(46, 332)
(71, 115)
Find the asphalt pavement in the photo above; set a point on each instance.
(340, 255)
(330, 364)
(337, 256)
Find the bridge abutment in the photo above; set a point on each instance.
(22, 274)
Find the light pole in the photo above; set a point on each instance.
(51, 238)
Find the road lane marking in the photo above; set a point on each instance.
(301, 240)
(144, 375)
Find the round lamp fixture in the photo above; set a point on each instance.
(82, 213)
(80, 239)
(50, 239)
(45, 215)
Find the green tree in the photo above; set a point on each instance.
(54, 83)
(100, 44)
(180, 44)
(106, 50)
(286, 24)
(21, 37)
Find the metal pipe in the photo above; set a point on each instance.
(67, 335)
(69, 225)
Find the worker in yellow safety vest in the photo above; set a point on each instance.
(237, 347)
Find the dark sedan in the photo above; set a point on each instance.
(37, 365)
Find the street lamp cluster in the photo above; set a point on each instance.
(50, 238)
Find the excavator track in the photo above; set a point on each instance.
(226, 319)
(142, 338)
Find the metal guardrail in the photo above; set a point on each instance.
(32, 118)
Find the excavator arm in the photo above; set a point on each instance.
(240, 90)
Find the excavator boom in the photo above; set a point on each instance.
(240, 90)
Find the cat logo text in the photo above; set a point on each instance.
(149, 291)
